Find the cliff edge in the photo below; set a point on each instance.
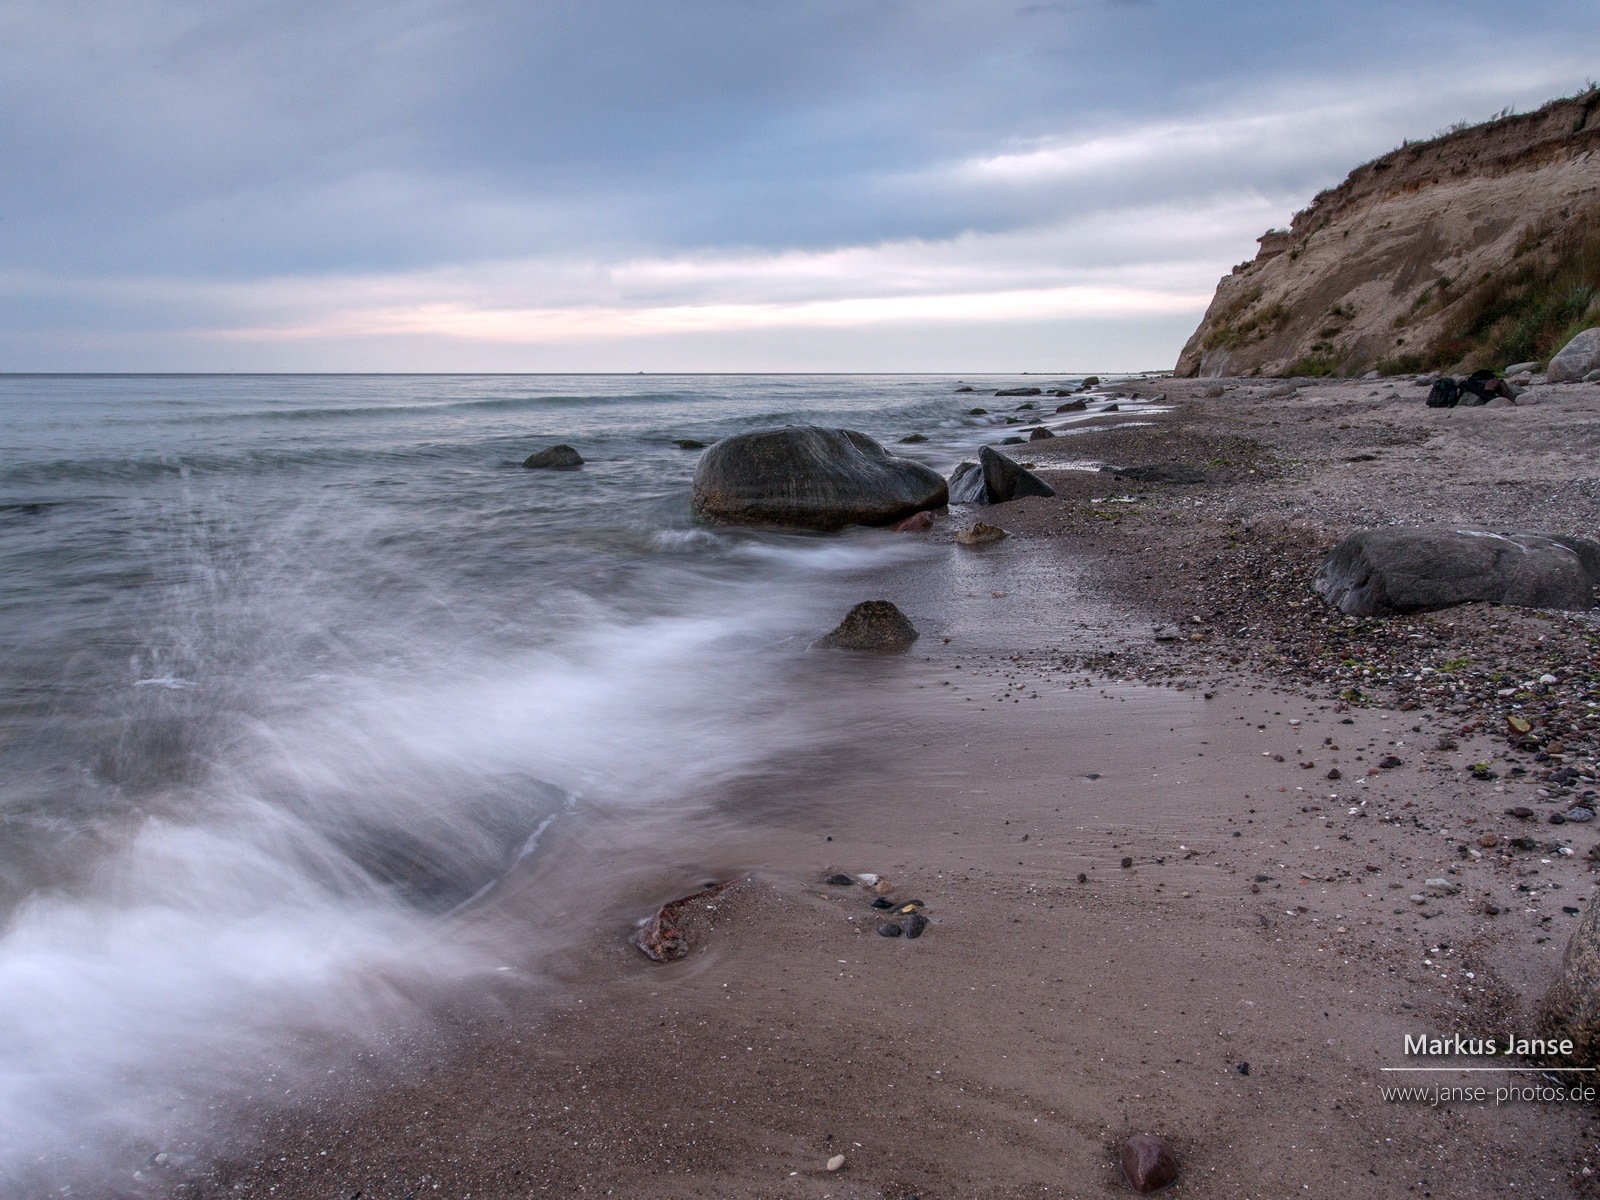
(1478, 248)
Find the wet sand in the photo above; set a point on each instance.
(1266, 918)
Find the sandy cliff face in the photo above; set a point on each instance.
(1478, 248)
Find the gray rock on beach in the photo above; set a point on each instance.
(1006, 480)
(812, 478)
(555, 458)
(966, 485)
(1571, 1008)
(1381, 572)
(875, 626)
(1521, 368)
(1576, 359)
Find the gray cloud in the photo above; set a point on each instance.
(166, 165)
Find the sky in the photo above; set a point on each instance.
(695, 185)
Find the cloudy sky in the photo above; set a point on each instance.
(597, 185)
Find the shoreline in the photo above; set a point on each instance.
(1040, 1020)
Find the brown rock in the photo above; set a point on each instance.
(663, 937)
(1148, 1163)
(916, 523)
(981, 534)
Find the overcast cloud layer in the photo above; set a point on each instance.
(940, 185)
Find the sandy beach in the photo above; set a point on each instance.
(1150, 907)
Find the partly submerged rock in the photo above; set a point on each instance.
(1039, 434)
(1021, 391)
(555, 458)
(1006, 480)
(1379, 572)
(876, 626)
(912, 439)
(981, 535)
(1576, 359)
(1073, 406)
(664, 937)
(688, 444)
(811, 477)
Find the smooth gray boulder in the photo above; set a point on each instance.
(811, 477)
(556, 458)
(1576, 359)
(1382, 572)
(1006, 480)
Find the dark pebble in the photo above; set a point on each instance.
(1082, 878)
(915, 924)
(1520, 813)
(1569, 910)
(1335, 773)
(1127, 862)
(840, 880)
(1558, 819)
(889, 929)
(1243, 1068)
(1390, 762)
(882, 902)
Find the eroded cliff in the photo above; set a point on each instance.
(1478, 248)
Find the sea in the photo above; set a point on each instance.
(295, 669)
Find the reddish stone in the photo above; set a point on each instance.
(663, 937)
(1148, 1163)
(916, 523)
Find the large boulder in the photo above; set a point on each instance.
(875, 626)
(1571, 1008)
(813, 478)
(1380, 572)
(1576, 359)
(1006, 480)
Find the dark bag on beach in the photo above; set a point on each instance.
(1444, 393)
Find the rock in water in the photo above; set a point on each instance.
(1381, 572)
(981, 535)
(1148, 1163)
(1576, 359)
(663, 937)
(1073, 406)
(873, 625)
(1021, 391)
(813, 478)
(556, 458)
(688, 444)
(1039, 434)
(1005, 480)
(967, 486)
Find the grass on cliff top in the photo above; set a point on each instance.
(1525, 312)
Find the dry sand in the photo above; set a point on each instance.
(1266, 917)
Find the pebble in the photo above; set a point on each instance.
(840, 880)
(1580, 814)
(915, 924)
(1520, 812)
(1335, 773)
(836, 1162)
(1390, 762)
(1127, 862)
(880, 902)
(1148, 1163)
(1489, 840)
(1243, 1068)
(1082, 878)
(1442, 887)
(889, 929)
(883, 887)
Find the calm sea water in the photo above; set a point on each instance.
(290, 666)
